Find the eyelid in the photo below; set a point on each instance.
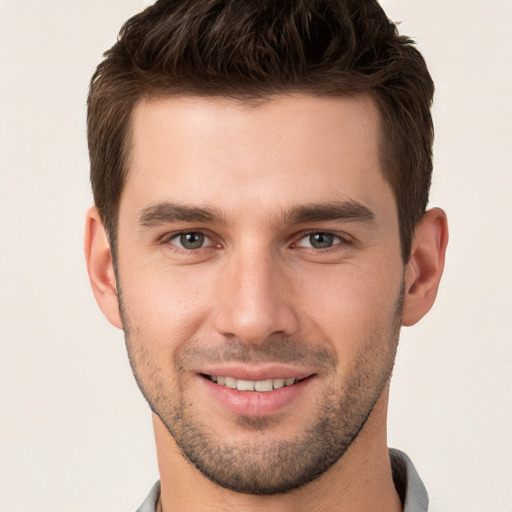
(344, 238)
(167, 239)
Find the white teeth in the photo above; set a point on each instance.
(245, 385)
(230, 382)
(252, 385)
(263, 385)
(278, 383)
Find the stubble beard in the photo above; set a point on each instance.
(263, 465)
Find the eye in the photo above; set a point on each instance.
(320, 240)
(191, 240)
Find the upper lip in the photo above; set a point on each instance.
(256, 373)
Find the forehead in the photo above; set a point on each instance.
(286, 149)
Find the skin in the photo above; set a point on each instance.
(257, 297)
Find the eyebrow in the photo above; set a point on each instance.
(167, 212)
(350, 211)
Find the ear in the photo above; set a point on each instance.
(425, 267)
(101, 268)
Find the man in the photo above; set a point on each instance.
(260, 173)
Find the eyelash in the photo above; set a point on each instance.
(343, 240)
(168, 240)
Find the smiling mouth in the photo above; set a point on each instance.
(261, 386)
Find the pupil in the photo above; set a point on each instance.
(192, 240)
(321, 240)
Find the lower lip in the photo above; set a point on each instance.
(254, 403)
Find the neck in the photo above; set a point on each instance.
(360, 481)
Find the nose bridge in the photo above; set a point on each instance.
(255, 302)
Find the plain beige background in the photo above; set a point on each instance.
(75, 432)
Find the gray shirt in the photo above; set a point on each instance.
(407, 482)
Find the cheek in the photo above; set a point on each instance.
(351, 307)
(163, 306)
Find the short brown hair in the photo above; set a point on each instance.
(245, 50)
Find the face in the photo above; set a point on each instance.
(260, 280)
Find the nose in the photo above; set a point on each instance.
(255, 299)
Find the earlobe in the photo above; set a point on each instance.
(425, 267)
(100, 267)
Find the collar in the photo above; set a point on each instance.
(408, 484)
